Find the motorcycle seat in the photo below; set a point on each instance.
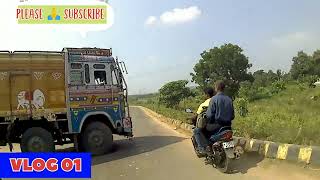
(220, 134)
(224, 128)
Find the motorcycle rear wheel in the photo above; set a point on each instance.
(224, 165)
(195, 147)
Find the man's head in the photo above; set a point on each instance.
(209, 92)
(219, 86)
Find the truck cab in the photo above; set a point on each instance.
(95, 87)
(96, 95)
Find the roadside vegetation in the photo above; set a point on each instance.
(277, 106)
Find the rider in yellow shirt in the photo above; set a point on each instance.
(198, 134)
(209, 93)
(203, 106)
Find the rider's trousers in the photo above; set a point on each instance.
(200, 138)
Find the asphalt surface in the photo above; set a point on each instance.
(157, 152)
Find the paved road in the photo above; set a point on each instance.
(158, 152)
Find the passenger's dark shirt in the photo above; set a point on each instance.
(220, 109)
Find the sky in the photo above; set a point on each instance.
(161, 40)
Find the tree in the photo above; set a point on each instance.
(280, 74)
(316, 62)
(260, 78)
(227, 63)
(302, 65)
(263, 79)
(173, 92)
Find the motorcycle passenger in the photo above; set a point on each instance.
(199, 120)
(220, 112)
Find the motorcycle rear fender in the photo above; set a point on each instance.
(229, 153)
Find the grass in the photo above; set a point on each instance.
(291, 116)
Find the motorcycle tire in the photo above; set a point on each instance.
(224, 164)
(195, 147)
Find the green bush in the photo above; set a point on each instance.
(308, 80)
(277, 87)
(241, 106)
(251, 92)
(245, 90)
(301, 86)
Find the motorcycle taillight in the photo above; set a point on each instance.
(227, 135)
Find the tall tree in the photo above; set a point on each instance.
(173, 92)
(302, 65)
(260, 78)
(227, 63)
(316, 61)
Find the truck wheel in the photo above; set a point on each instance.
(97, 138)
(37, 139)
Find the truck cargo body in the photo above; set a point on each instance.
(62, 91)
(32, 85)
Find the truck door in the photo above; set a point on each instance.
(20, 95)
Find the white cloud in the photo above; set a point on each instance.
(151, 20)
(291, 39)
(293, 42)
(176, 16)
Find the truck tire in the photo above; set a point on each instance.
(37, 139)
(97, 138)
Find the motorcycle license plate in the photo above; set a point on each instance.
(227, 145)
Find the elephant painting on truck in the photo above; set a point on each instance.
(78, 95)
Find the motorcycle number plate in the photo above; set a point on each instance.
(227, 145)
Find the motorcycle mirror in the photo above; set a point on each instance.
(188, 110)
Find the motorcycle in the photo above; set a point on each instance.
(221, 150)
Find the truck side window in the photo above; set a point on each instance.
(76, 77)
(100, 77)
(99, 66)
(76, 66)
(86, 73)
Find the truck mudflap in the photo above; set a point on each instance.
(127, 126)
